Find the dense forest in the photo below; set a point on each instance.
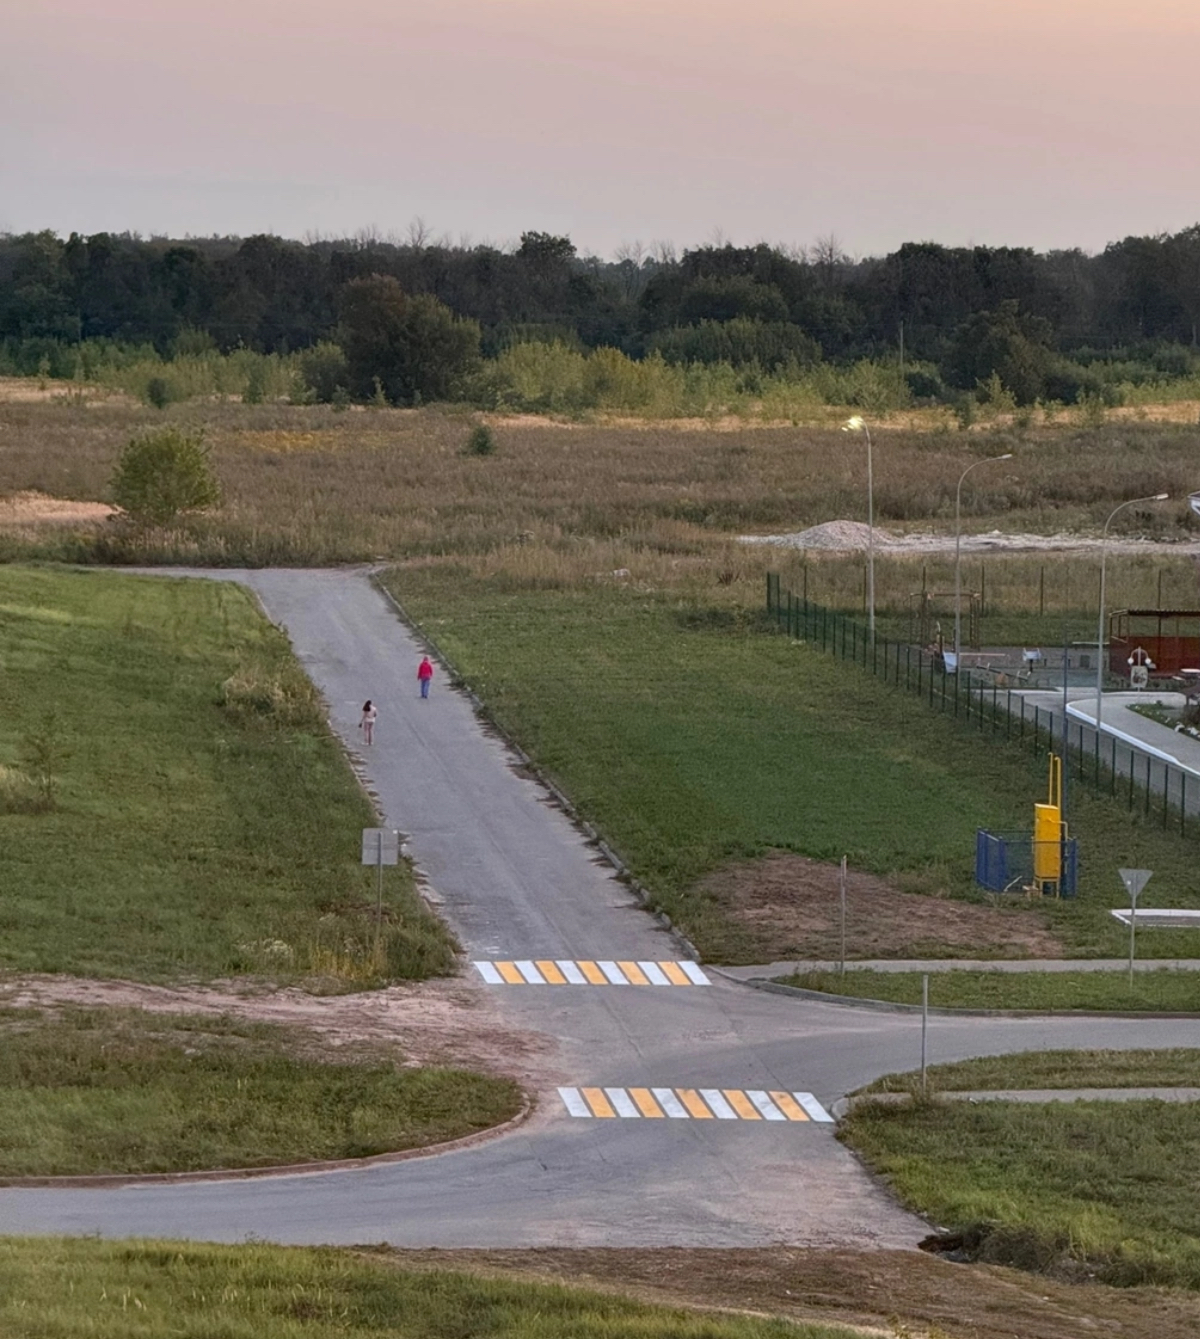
(407, 320)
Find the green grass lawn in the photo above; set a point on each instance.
(692, 737)
(94, 1091)
(68, 1289)
(1174, 1068)
(189, 755)
(1160, 990)
(1092, 1190)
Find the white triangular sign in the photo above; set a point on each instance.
(1134, 880)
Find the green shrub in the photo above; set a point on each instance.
(158, 392)
(163, 473)
(482, 441)
(324, 371)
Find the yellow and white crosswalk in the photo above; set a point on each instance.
(693, 1104)
(583, 972)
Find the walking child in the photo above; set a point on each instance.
(367, 724)
(425, 674)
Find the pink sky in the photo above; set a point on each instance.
(1048, 123)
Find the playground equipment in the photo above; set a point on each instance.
(1044, 863)
(930, 609)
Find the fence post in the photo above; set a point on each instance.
(956, 688)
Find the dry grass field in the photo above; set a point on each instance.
(562, 502)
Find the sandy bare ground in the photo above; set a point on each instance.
(900, 1294)
(31, 510)
(432, 1023)
(787, 907)
(853, 537)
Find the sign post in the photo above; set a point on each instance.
(380, 846)
(1134, 880)
(842, 961)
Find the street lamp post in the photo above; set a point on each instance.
(1156, 497)
(858, 424)
(958, 553)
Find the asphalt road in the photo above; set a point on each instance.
(517, 881)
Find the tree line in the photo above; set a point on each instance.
(405, 320)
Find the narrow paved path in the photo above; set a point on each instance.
(518, 883)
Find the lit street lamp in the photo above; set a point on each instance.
(1157, 497)
(859, 424)
(958, 553)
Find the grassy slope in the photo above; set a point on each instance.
(1097, 1190)
(1163, 990)
(177, 846)
(692, 738)
(61, 1289)
(93, 1091)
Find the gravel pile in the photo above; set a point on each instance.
(844, 535)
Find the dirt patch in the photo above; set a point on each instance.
(787, 907)
(889, 1293)
(38, 509)
(433, 1023)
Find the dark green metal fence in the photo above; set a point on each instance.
(1160, 791)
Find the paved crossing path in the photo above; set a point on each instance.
(526, 894)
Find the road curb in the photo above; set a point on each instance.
(891, 1007)
(113, 1180)
(624, 873)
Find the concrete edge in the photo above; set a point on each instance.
(624, 873)
(888, 1006)
(115, 1180)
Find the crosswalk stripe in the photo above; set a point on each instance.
(767, 1109)
(670, 1103)
(646, 1103)
(574, 1102)
(585, 972)
(620, 1100)
(598, 1102)
(691, 1099)
(719, 1105)
(742, 1104)
(789, 1106)
(815, 1110)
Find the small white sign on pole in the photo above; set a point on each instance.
(380, 846)
(1134, 880)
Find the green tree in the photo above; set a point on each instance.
(1007, 343)
(413, 345)
(163, 473)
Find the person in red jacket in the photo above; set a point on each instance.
(425, 674)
